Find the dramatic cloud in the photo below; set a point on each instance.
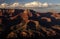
(3, 5)
(16, 5)
(30, 4)
(45, 4)
(36, 4)
(33, 4)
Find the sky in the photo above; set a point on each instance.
(24, 1)
(30, 3)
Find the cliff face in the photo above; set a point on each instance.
(28, 21)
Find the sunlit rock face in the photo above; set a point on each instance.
(56, 15)
(24, 34)
(56, 27)
(24, 15)
(45, 18)
(11, 35)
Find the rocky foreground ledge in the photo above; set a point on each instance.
(29, 25)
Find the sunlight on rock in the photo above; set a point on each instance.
(12, 35)
(45, 18)
(56, 27)
(24, 34)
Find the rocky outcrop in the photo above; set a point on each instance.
(29, 24)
